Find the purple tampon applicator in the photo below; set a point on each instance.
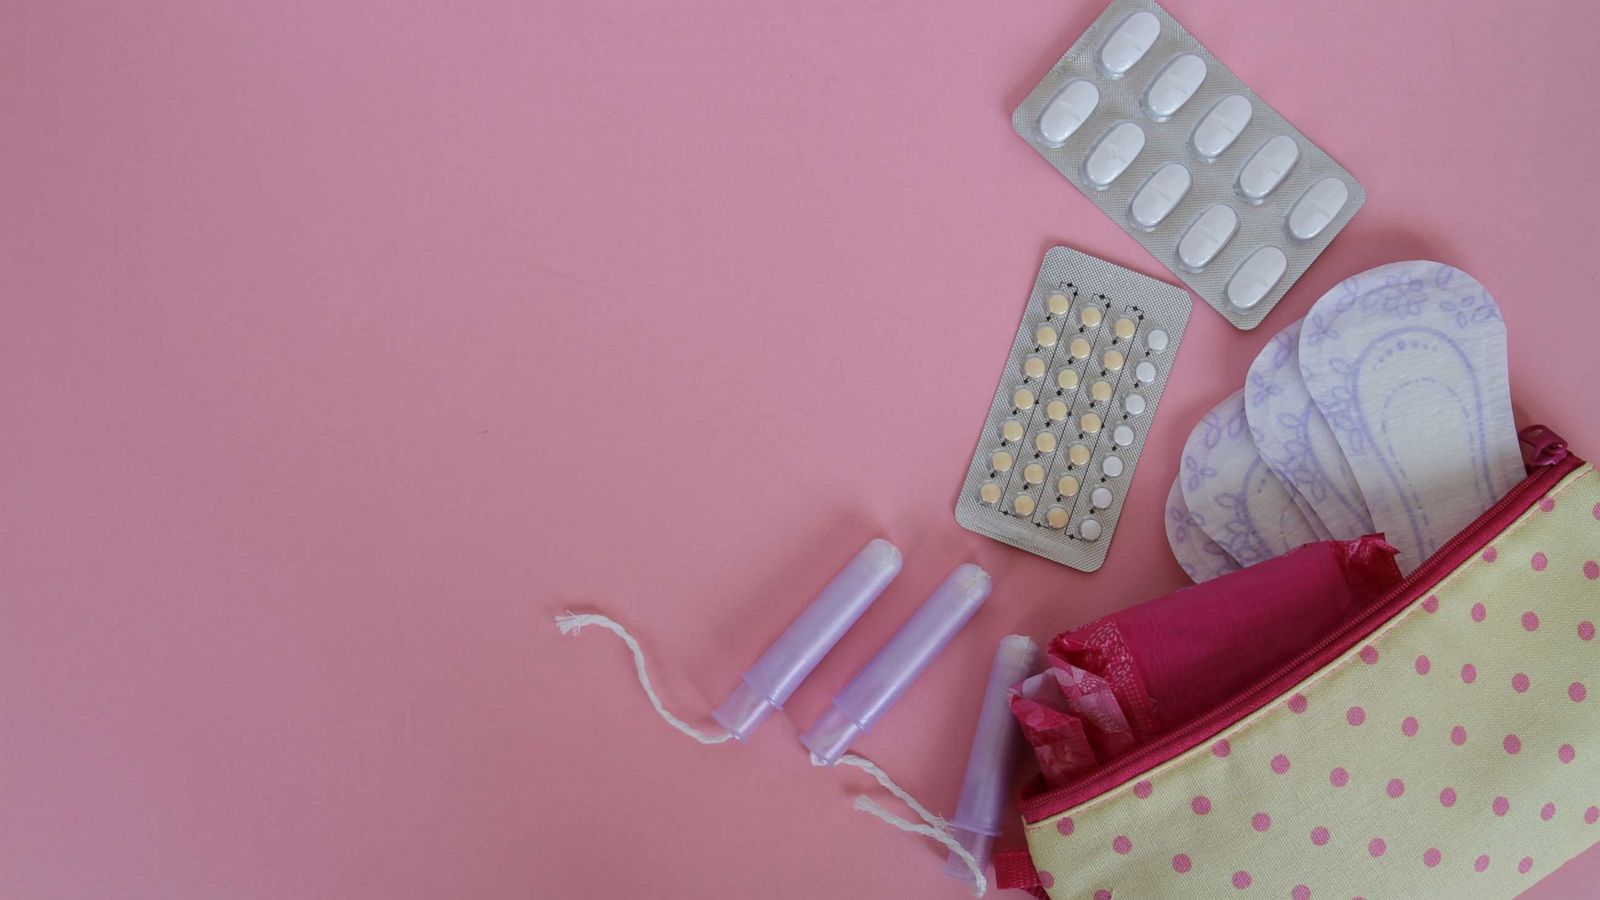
(808, 639)
(981, 808)
(876, 688)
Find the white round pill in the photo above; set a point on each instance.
(1056, 517)
(989, 492)
(1145, 372)
(1156, 340)
(1067, 486)
(1134, 404)
(1124, 328)
(1045, 336)
(1022, 398)
(1079, 348)
(1123, 435)
(1057, 303)
(1090, 316)
(1100, 391)
(1112, 360)
(1000, 461)
(1044, 442)
(1011, 430)
(1056, 410)
(1033, 473)
(1089, 423)
(1100, 497)
(1111, 466)
(1067, 379)
(1078, 455)
(1023, 505)
(1033, 367)
(1089, 530)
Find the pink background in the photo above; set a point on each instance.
(344, 343)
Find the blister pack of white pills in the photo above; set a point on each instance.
(1187, 159)
(1075, 402)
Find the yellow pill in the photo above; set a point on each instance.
(1000, 461)
(989, 492)
(1089, 423)
(1033, 473)
(1011, 430)
(1033, 367)
(1022, 398)
(1057, 303)
(1112, 360)
(1078, 455)
(1067, 486)
(1044, 336)
(1044, 442)
(1056, 410)
(1056, 517)
(1124, 328)
(1090, 316)
(1067, 379)
(1023, 504)
(1079, 348)
(1100, 391)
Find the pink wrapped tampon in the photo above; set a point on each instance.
(808, 638)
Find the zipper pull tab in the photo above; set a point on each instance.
(1548, 447)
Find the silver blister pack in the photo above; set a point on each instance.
(1187, 159)
(1075, 402)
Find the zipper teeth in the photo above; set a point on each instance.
(1400, 596)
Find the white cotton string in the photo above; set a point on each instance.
(980, 884)
(572, 623)
(882, 778)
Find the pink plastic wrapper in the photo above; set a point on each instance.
(1134, 674)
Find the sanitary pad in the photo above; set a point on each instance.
(1201, 558)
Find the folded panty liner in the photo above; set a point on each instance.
(1407, 363)
(1135, 674)
(1232, 492)
(1296, 442)
(1201, 558)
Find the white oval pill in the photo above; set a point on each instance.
(1045, 336)
(1129, 42)
(1221, 126)
(1113, 154)
(1056, 517)
(1100, 497)
(1033, 473)
(1317, 207)
(1256, 276)
(1159, 195)
(1067, 110)
(1207, 236)
(1089, 530)
(1123, 435)
(1000, 461)
(1111, 466)
(1145, 372)
(1133, 404)
(1044, 442)
(1067, 379)
(1022, 398)
(1033, 367)
(1011, 430)
(1067, 486)
(1057, 411)
(1171, 89)
(1156, 340)
(1057, 303)
(989, 492)
(1023, 504)
(1268, 167)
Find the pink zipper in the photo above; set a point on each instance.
(1552, 462)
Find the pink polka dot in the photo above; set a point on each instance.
(1355, 715)
(1458, 735)
(1065, 826)
(1142, 790)
(1280, 764)
(1319, 836)
(1424, 664)
(1566, 753)
(1102, 894)
(1547, 811)
(1241, 879)
(1597, 510)
(1369, 654)
(1047, 880)
(1577, 691)
(1431, 604)
(1490, 554)
(1430, 857)
(1377, 847)
(1540, 562)
(1201, 805)
(1591, 570)
(1396, 788)
(1260, 821)
(1482, 863)
(1447, 797)
(1339, 777)
(1121, 844)
(1409, 726)
(1512, 744)
(1585, 631)
(1221, 748)
(1469, 673)
(1519, 683)
(1300, 892)
(1547, 504)
(1530, 621)
(1591, 815)
(1181, 863)
(1526, 865)
(1501, 806)
(1479, 613)
(1297, 704)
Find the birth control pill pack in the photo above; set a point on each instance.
(1075, 402)
(1188, 160)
